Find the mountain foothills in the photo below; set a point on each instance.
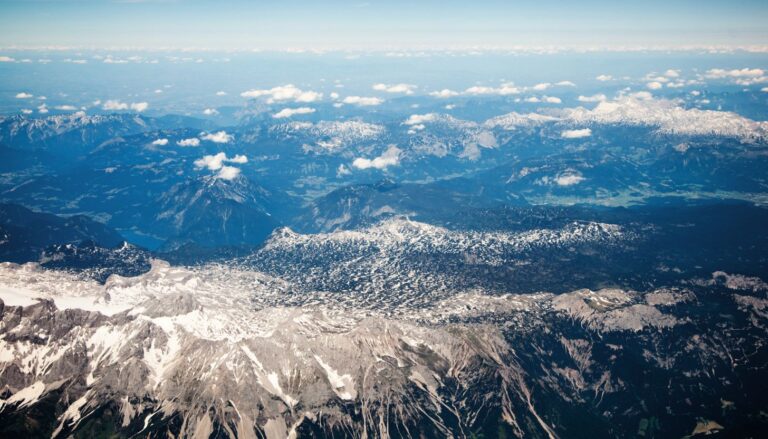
(469, 263)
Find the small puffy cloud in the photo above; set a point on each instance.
(334, 95)
(642, 95)
(239, 159)
(532, 100)
(395, 88)
(158, 91)
(576, 134)
(739, 76)
(115, 105)
(604, 78)
(671, 73)
(764, 89)
(503, 90)
(160, 142)
(419, 119)
(342, 171)
(228, 173)
(217, 163)
(594, 98)
(139, 106)
(290, 112)
(566, 84)
(221, 93)
(552, 100)
(444, 93)
(218, 137)
(283, 93)
(42, 109)
(65, 107)
(26, 111)
(735, 73)
(362, 101)
(486, 139)
(192, 141)
(390, 157)
(24, 95)
(542, 86)
(210, 112)
(654, 85)
(6, 59)
(569, 178)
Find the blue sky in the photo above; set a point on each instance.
(361, 24)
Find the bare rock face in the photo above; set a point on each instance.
(307, 369)
(228, 351)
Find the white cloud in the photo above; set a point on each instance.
(342, 171)
(504, 90)
(552, 100)
(444, 93)
(216, 163)
(160, 142)
(114, 105)
(158, 91)
(42, 109)
(654, 85)
(210, 112)
(569, 178)
(334, 95)
(238, 158)
(24, 95)
(566, 84)
(764, 89)
(395, 88)
(533, 100)
(418, 119)
(594, 98)
(26, 111)
(193, 141)
(735, 73)
(739, 76)
(6, 59)
(362, 101)
(576, 134)
(290, 112)
(604, 78)
(221, 93)
(65, 107)
(390, 157)
(283, 93)
(218, 137)
(642, 95)
(139, 106)
(542, 86)
(671, 73)
(110, 60)
(228, 173)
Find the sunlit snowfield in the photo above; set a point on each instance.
(383, 244)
